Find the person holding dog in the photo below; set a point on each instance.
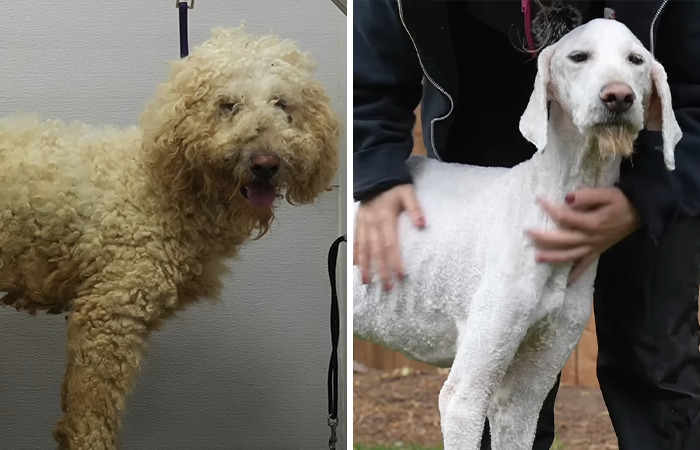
(462, 62)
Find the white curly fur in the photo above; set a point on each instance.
(122, 228)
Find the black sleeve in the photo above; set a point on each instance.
(386, 89)
(659, 195)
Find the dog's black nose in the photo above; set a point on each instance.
(264, 166)
(617, 97)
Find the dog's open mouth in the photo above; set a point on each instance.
(260, 193)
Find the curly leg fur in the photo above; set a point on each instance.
(106, 339)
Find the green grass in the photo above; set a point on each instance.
(393, 447)
(556, 446)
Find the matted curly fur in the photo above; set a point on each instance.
(121, 228)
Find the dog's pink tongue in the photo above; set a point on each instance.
(261, 195)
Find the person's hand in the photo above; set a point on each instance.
(592, 221)
(376, 232)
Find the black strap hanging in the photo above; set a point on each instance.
(335, 336)
(183, 7)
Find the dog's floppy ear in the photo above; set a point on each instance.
(660, 116)
(533, 123)
(320, 149)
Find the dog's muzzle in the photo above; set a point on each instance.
(264, 167)
(617, 97)
(261, 192)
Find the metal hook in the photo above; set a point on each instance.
(342, 5)
(333, 423)
(189, 6)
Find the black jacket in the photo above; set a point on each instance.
(390, 79)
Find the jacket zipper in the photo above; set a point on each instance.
(430, 79)
(653, 26)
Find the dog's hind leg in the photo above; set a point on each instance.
(107, 334)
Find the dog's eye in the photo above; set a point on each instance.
(635, 59)
(281, 104)
(579, 57)
(229, 107)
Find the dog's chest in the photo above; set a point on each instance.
(553, 294)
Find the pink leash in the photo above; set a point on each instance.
(525, 7)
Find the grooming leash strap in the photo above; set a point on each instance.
(335, 336)
(526, 8)
(183, 7)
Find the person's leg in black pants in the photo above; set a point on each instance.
(544, 436)
(646, 321)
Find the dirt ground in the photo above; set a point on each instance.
(401, 408)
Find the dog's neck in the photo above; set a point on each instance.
(215, 225)
(572, 160)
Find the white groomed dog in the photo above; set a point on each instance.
(474, 296)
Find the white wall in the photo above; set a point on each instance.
(245, 373)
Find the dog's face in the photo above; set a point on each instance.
(244, 121)
(609, 86)
(601, 76)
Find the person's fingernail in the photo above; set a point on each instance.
(569, 199)
(569, 283)
(420, 222)
(387, 287)
(401, 275)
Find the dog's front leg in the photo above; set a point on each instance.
(106, 338)
(488, 339)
